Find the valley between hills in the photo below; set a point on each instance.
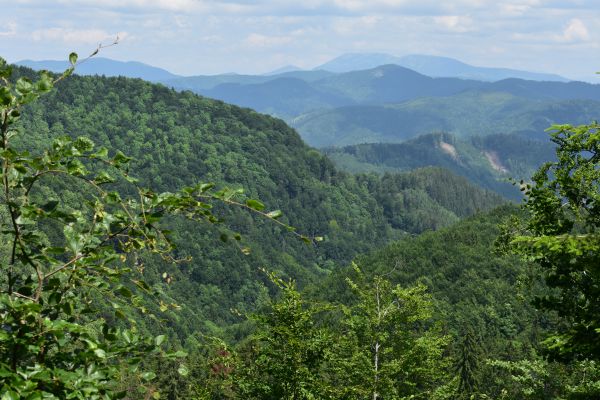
(309, 234)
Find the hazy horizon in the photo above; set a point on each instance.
(193, 37)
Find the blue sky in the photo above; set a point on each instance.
(206, 37)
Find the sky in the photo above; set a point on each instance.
(191, 37)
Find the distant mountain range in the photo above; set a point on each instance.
(433, 66)
(106, 67)
(292, 94)
(387, 103)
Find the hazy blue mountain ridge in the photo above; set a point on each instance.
(434, 66)
(106, 67)
(388, 103)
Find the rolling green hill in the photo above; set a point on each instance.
(390, 103)
(282, 97)
(206, 82)
(179, 139)
(473, 113)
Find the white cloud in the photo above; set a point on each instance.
(171, 5)
(212, 35)
(352, 25)
(455, 23)
(12, 29)
(514, 10)
(258, 40)
(75, 36)
(576, 31)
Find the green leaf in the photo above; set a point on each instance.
(148, 376)
(101, 153)
(255, 205)
(24, 86)
(6, 96)
(183, 370)
(84, 144)
(177, 354)
(142, 285)
(10, 395)
(68, 72)
(100, 353)
(160, 339)
(275, 214)
(103, 177)
(73, 238)
(120, 159)
(124, 291)
(50, 206)
(45, 82)
(73, 58)
(206, 186)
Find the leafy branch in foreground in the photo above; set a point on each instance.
(63, 263)
(562, 236)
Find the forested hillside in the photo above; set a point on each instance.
(390, 103)
(473, 113)
(482, 300)
(487, 161)
(340, 286)
(177, 139)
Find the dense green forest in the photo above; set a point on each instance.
(330, 286)
(177, 139)
(488, 161)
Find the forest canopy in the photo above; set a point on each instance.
(124, 277)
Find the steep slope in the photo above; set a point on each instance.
(427, 198)
(179, 139)
(486, 161)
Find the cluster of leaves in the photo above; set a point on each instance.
(561, 235)
(382, 346)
